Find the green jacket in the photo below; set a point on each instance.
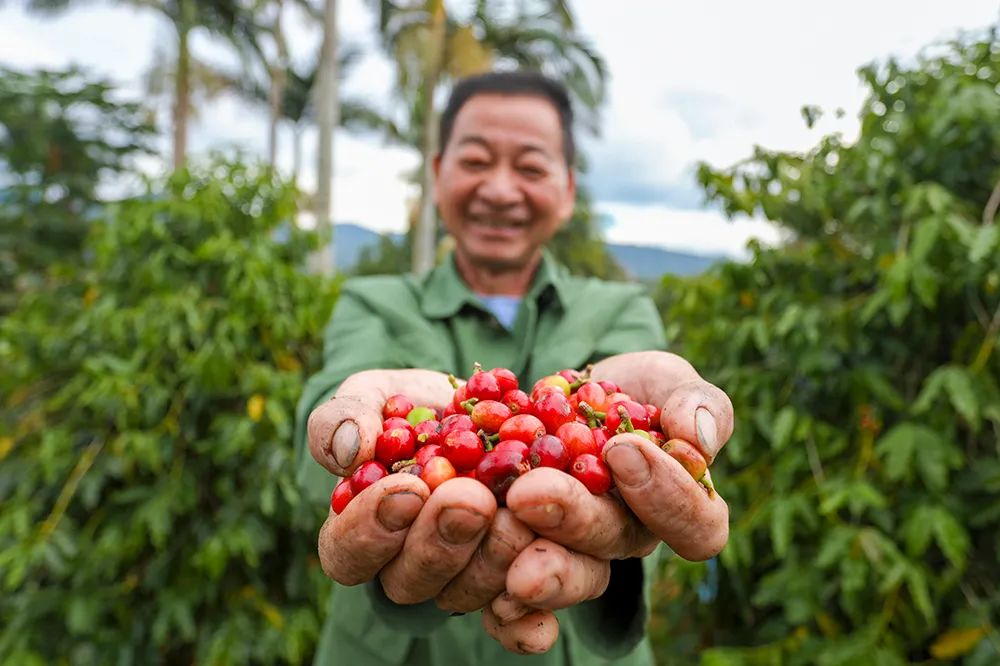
(437, 323)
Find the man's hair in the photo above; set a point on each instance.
(519, 82)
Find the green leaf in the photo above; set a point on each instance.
(784, 425)
(836, 545)
(909, 447)
(985, 244)
(916, 530)
(950, 535)
(916, 582)
(959, 384)
(82, 614)
(925, 236)
(878, 385)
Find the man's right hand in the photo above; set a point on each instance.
(453, 546)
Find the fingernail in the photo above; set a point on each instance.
(346, 442)
(398, 510)
(708, 432)
(543, 515)
(459, 526)
(629, 466)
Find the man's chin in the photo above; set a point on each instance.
(500, 262)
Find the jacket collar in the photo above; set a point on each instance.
(445, 293)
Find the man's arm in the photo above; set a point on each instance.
(354, 340)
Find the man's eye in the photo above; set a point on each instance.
(473, 163)
(531, 171)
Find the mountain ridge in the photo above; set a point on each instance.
(641, 262)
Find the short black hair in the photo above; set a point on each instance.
(517, 82)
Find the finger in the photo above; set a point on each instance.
(558, 507)
(424, 387)
(356, 544)
(343, 430)
(700, 413)
(534, 633)
(547, 576)
(648, 376)
(507, 608)
(486, 574)
(440, 542)
(666, 499)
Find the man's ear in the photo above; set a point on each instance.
(566, 209)
(436, 168)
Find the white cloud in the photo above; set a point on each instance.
(744, 69)
(697, 231)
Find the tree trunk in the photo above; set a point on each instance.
(182, 83)
(296, 152)
(279, 71)
(327, 112)
(426, 232)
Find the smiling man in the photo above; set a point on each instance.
(558, 574)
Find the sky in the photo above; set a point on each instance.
(689, 83)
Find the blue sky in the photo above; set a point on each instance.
(690, 82)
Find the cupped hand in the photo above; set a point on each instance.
(452, 546)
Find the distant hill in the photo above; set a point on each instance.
(649, 263)
(641, 262)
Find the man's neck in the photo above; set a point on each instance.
(490, 281)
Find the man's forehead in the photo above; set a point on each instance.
(529, 119)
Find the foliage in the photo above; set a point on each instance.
(863, 477)
(579, 245)
(62, 135)
(148, 512)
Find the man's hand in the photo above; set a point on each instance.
(656, 501)
(452, 546)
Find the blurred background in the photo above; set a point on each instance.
(810, 194)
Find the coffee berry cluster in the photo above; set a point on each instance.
(494, 432)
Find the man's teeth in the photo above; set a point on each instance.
(500, 224)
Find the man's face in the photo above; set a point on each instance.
(502, 185)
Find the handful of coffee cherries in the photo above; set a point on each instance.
(494, 432)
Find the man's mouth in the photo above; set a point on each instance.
(499, 225)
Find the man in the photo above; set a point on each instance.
(559, 574)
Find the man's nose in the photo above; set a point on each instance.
(500, 188)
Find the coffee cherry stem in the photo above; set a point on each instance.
(488, 440)
(626, 424)
(400, 464)
(706, 480)
(469, 404)
(595, 419)
(453, 381)
(583, 378)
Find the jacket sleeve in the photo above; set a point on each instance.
(355, 339)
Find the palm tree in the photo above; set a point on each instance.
(431, 48)
(327, 112)
(297, 109)
(232, 20)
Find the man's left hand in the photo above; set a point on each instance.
(656, 501)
